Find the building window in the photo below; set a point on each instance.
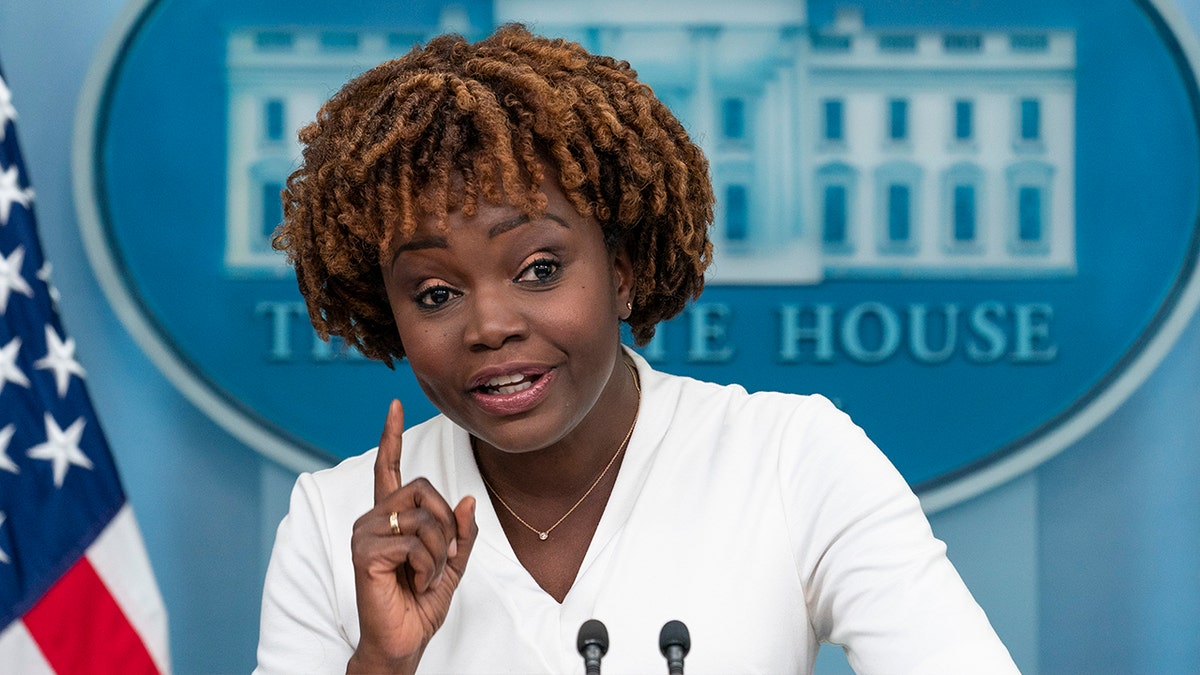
(963, 42)
(835, 185)
(964, 122)
(737, 213)
(834, 218)
(257, 211)
(271, 40)
(273, 114)
(898, 119)
(1029, 214)
(964, 214)
(272, 211)
(834, 128)
(897, 199)
(1030, 120)
(899, 213)
(733, 118)
(1029, 42)
(830, 43)
(898, 43)
(1030, 185)
(404, 40)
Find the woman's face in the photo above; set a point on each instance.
(512, 325)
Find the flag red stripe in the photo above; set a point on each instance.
(82, 631)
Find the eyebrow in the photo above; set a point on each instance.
(512, 223)
(439, 241)
(418, 244)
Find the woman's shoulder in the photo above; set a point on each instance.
(801, 445)
(695, 397)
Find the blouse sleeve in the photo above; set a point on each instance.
(300, 632)
(877, 582)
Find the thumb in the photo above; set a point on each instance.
(467, 532)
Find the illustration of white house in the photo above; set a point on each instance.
(836, 151)
(277, 79)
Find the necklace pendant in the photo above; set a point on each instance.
(543, 535)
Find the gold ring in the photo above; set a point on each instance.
(394, 521)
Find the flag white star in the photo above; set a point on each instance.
(10, 277)
(61, 448)
(6, 462)
(3, 556)
(7, 111)
(44, 275)
(9, 370)
(12, 193)
(60, 357)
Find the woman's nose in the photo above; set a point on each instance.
(495, 318)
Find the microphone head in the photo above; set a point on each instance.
(593, 633)
(674, 634)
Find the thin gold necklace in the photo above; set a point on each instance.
(545, 534)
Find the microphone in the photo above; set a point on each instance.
(674, 643)
(592, 644)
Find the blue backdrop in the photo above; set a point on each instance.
(1086, 564)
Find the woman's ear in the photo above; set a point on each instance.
(622, 268)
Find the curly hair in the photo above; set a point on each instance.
(454, 122)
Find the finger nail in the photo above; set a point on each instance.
(453, 549)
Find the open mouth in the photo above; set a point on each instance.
(507, 384)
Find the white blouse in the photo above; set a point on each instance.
(768, 523)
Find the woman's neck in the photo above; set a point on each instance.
(564, 469)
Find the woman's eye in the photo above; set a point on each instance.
(434, 297)
(540, 270)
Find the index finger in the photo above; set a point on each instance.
(387, 461)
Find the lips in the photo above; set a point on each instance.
(511, 393)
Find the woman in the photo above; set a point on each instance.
(492, 212)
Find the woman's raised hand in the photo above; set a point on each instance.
(409, 554)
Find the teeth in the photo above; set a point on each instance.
(503, 380)
(507, 384)
(514, 388)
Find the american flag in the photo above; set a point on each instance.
(77, 594)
